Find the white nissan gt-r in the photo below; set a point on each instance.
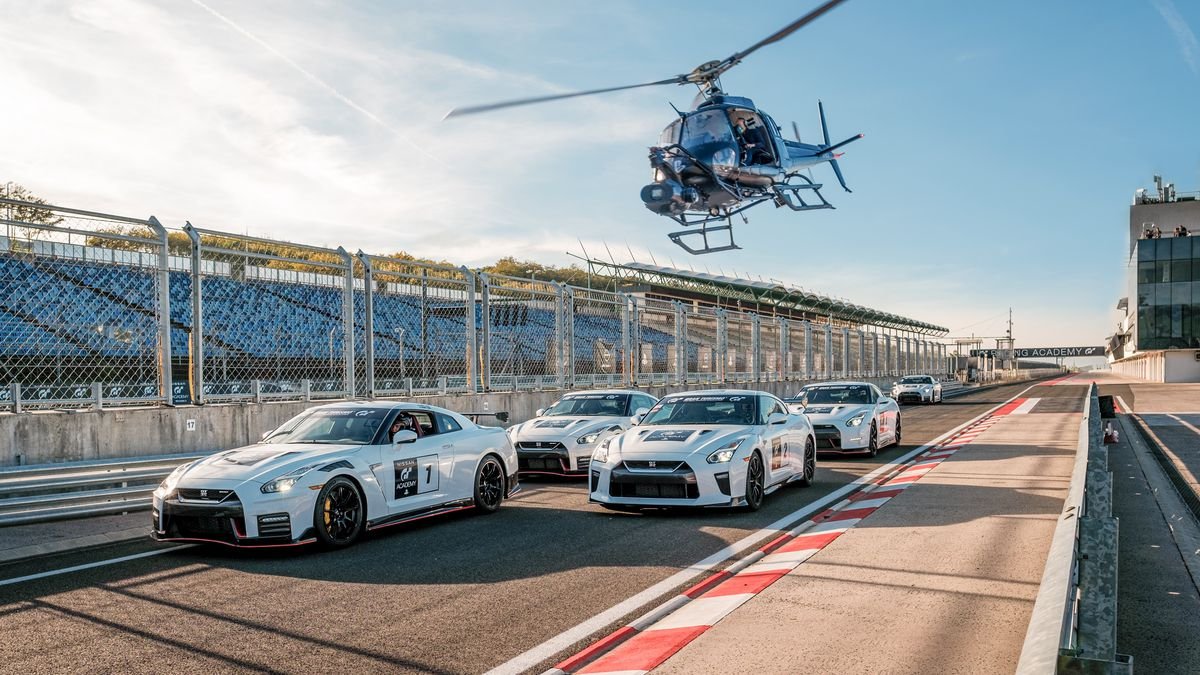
(334, 472)
(917, 388)
(561, 439)
(705, 448)
(849, 416)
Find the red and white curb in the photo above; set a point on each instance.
(650, 640)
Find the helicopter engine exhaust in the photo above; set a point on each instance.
(669, 197)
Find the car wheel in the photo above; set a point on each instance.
(339, 515)
(896, 442)
(755, 480)
(810, 463)
(873, 444)
(489, 485)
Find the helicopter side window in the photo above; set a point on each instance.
(670, 135)
(752, 137)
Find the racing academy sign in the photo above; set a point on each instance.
(1041, 352)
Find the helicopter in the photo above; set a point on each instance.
(724, 156)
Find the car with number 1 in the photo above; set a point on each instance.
(335, 472)
(704, 448)
(917, 389)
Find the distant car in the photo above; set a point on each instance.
(560, 440)
(335, 472)
(849, 416)
(705, 448)
(917, 389)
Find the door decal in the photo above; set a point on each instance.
(416, 476)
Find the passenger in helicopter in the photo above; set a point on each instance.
(755, 149)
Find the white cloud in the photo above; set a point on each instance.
(1189, 46)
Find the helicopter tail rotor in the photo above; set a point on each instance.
(837, 170)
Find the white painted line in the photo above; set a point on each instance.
(565, 639)
(88, 566)
(1185, 423)
(1026, 407)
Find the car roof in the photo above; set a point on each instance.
(605, 391)
(393, 405)
(720, 392)
(839, 383)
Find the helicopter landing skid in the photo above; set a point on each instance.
(703, 232)
(789, 195)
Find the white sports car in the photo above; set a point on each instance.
(917, 388)
(705, 448)
(849, 416)
(336, 471)
(561, 439)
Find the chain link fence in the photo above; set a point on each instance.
(99, 310)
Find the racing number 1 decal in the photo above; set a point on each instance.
(778, 453)
(416, 476)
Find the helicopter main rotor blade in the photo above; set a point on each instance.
(780, 34)
(471, 110)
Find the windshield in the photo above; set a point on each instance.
(704, 128)
(591, 405)
(356, 426)
(917, 380)
(735, 409)
(853, 394)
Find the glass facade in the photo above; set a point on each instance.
(1168, 289)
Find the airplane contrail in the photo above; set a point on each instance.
(313, 78)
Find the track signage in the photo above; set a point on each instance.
(1041, 352)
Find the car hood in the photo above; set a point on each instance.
(676, 441)
(818, 413)
(260, 463)
(560, 427)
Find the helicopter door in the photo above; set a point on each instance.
(755, 141)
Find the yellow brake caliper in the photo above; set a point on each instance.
(328, 508)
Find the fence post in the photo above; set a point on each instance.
(846, 345)
(808, 350)
(635, 339)
(197, 374)
(560, 335)
(15, 389)
(166, 381)
(722, 345)
(569, 337)
(783, 365)
(472, 356)
(681, 344)
(829, 351)
(485, 323)
(626, 341)
(755, 348)
(97, 396)
(348, 323)
(368, 323)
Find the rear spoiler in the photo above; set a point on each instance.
(501, 416)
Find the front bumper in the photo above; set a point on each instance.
(554, 460)
(913, 397)
(679, 484)
(838, 437)
(270, 522)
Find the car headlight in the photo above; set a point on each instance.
(725, 453)
(588, 438)
(857, 420)
(285, 482)
(600, 454)
(167, 487)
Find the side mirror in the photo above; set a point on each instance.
(638, 416)
(777, 418)
(539, 412)
(404, 436)
(502, 416)
(894, 383)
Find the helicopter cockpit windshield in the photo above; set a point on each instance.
(708, 136)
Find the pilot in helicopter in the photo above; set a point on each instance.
(753, 142)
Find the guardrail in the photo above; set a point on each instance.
(1073, 628)
(35, 494)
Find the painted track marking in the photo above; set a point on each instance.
(91, 565)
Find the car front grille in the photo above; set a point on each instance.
(655, 490)
(540, 464)
(207, 495)
(666, 466)
(540, 445)
(583, 463)
(828, 436)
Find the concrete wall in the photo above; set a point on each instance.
(1176, 365)
(46, 437)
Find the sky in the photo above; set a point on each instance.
(1003, 144)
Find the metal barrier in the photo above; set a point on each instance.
(37, 494)
(99, 310)
(1073, 628)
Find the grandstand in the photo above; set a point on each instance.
(88, 310)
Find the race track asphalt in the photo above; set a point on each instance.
(459, 594)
